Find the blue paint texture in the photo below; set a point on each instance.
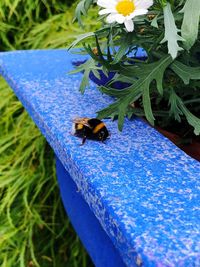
(143, 190)
(87, 226)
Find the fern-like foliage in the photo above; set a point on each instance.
(164, 84)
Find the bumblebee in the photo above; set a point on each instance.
(87, 128)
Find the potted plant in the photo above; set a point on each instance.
(163, 86)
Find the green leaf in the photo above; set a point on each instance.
(191, 118)
(174, 108)
(80, 38)
(98, 58)
(96, 73)
(145, 74)
(147, 105)
(113, 92)
(86, 67)
(186, 73)
(108, 111)
(89, 64)
(190, 25)
(82, 9)
(122, 113)
(123, 48)
(99, 52)
(154, 22)
(171, 32)
(84, 81)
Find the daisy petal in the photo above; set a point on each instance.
(106, 4)
(121, 11)
(107, 11)
(119, 18)
(129, 25)
(137, 12)
(143, 4)
(111, 18)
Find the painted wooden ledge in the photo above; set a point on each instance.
(135, 200)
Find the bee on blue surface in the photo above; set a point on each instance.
(87, 128)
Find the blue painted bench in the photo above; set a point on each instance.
(133, 201)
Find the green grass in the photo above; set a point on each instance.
(34, 228)
(40, 24)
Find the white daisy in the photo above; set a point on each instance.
(123, 11)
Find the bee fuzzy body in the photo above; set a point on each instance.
(87, 128)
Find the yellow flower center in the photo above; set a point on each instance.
(125, 7)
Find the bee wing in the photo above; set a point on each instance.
(83, 121)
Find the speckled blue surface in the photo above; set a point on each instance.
(143, 190)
